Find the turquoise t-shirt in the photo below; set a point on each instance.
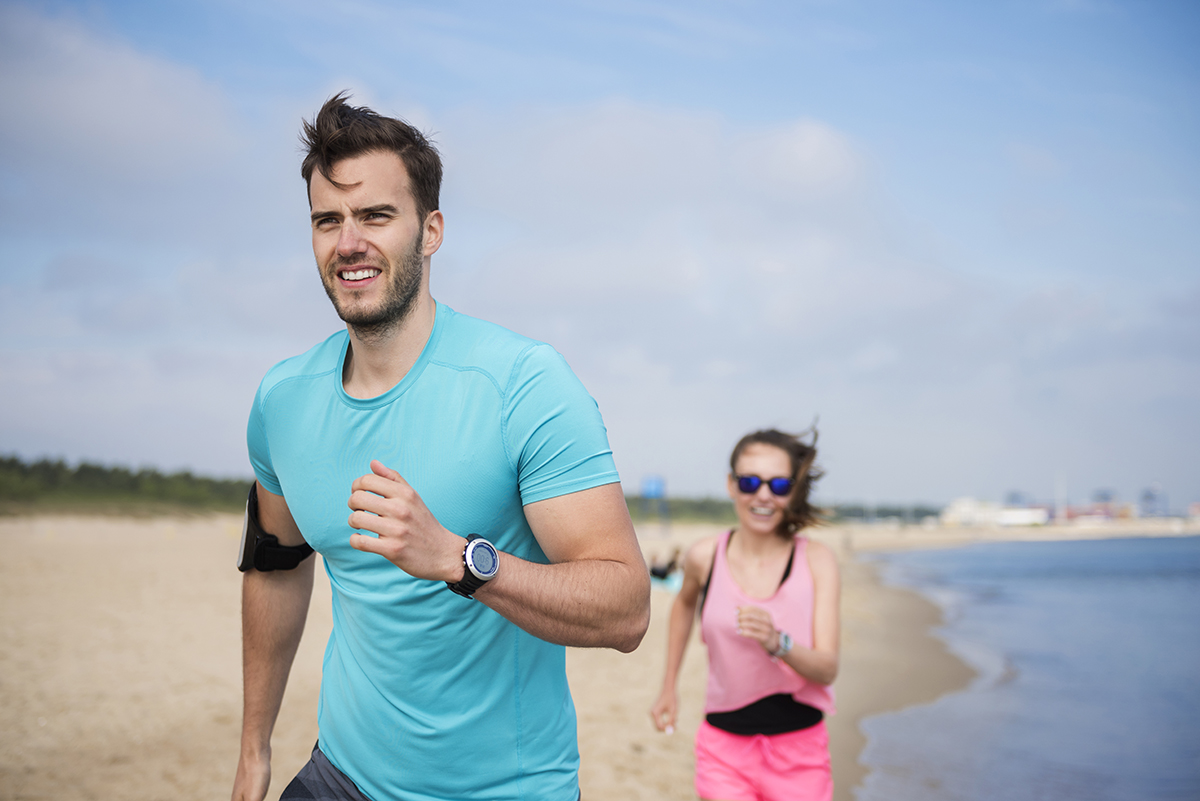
(424, 694)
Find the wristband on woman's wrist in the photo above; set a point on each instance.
(785, 645)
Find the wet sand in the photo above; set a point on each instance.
(120, 667)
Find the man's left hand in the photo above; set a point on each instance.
(408, 535)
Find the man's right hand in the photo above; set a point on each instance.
(253, 778)
(407, 533)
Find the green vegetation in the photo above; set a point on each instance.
(684, 510)
(858, 513)
(720, 510)
(54, 486)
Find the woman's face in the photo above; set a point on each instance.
(761, 510)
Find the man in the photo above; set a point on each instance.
(432, 427)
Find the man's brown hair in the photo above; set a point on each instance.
(341, 131)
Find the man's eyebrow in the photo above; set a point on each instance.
(381, 207)
(386, 207)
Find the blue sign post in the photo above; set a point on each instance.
(654, 500)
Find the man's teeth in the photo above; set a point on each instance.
(359, 275)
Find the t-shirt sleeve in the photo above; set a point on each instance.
(553, 431)
(260, 450)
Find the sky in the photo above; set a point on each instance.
(963, 238)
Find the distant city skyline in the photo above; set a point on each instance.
(965, 238)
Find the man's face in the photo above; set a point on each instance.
(369, 242)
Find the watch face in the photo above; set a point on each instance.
(482, 558)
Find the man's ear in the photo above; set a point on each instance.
(434, 227)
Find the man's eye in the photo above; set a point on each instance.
(325, 222)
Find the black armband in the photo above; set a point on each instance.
(262, 551)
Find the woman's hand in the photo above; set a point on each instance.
(663, 711)
(757, 624)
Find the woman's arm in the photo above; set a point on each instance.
(696, 565)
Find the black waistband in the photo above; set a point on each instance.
(775, 714)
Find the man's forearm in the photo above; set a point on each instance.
(585, 603)
(274, 609)
(595, 591)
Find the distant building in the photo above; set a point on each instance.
(1101, 512)
(970, 512)
(1024, 516)
(1154, 502)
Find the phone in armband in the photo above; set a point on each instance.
(261, 551)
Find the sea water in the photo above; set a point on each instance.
(1088, 656)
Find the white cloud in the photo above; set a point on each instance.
(803, 160)
(701, 293)
(76, 101)
(169, 407)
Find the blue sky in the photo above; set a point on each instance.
(964, 236)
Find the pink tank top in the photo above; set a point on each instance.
(740, 672)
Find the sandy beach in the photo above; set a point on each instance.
(120, 666)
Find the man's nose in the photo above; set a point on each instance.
(350, 239)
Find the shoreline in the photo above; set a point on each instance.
(891, 660)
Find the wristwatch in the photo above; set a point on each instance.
(480, 563)
(785, 645)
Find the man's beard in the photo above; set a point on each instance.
(401, 294)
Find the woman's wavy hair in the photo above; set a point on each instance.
(800, 513)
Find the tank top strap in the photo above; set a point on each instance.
(799, 576)
(718, 556)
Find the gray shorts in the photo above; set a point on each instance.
(319, 780)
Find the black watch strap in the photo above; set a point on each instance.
(470, 582)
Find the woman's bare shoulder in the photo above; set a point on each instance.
(700, 555)
(821, 558)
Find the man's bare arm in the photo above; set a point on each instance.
(596, 589)
(595, 592)
(274, 608)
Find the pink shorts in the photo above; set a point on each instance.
(763, 767)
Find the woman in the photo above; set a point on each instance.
(768, 599)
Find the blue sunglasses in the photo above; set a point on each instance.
(750, 484)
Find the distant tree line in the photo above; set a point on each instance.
(720, 510)
(48, 484)
(684, 510)
(861, 513)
